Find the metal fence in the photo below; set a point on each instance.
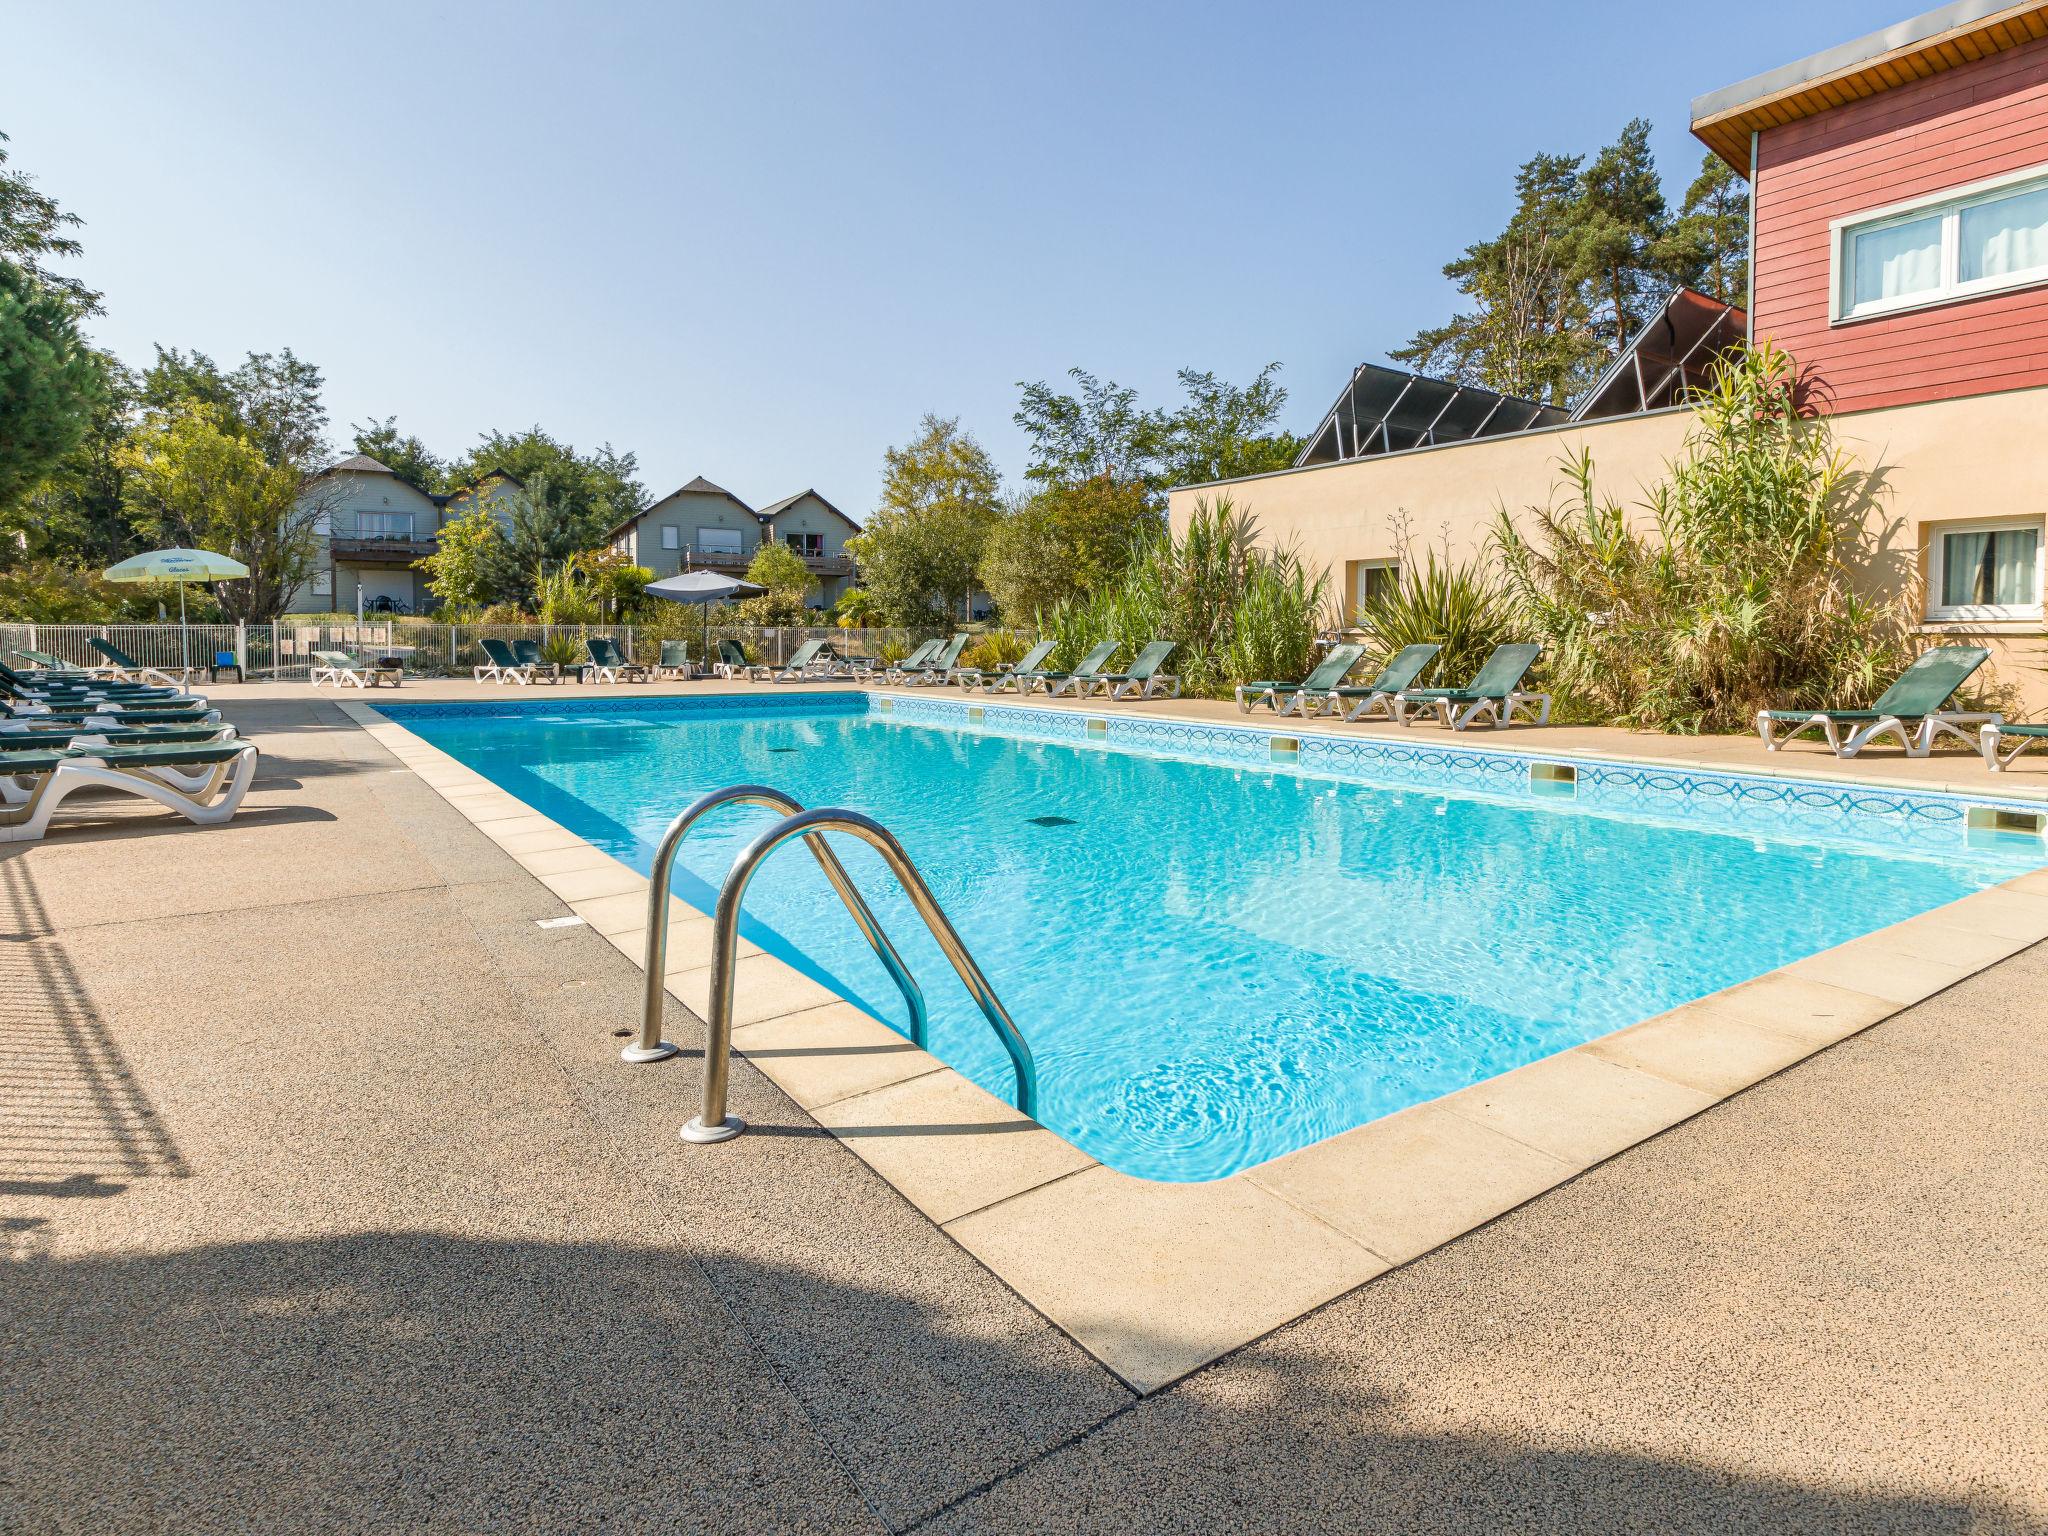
(285, 649)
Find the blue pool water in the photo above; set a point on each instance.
(1218, 958)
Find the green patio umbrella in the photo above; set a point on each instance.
(181, 566)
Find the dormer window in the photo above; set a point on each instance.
(1956, 245)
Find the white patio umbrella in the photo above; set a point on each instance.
(703, 588)
(181, 566)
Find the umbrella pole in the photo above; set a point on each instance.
(184, 640)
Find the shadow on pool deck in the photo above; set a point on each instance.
(411, 1379)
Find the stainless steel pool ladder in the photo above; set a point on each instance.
(713, 1123)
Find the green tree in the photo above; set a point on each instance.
(194, 481)
(1225, 431)
(1528, 331)
(1099, 431)
(50, 382)
(616, 582)
(404, 455)
(32, 229)
(1065, 542)
(1709, 244)
(601, 486)
(543, 530)
(468, 560)
(78, 516)
(856, 609)
(1621, 236)
(273, 399)
(789, 582)
(919, 552)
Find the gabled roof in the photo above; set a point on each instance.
(359, 464)
(1954, 35)
(775, 507)
(697, 487)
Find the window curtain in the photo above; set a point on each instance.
(1892, 263)
(2005, 237)
(1992, 569)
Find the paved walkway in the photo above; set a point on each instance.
(330, 1207)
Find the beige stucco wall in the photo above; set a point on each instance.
(1946, 462)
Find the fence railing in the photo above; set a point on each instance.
(284, 649)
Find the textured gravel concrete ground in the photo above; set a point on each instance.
(329, 1207)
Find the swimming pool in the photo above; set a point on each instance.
(1226, 942)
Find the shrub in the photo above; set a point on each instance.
(1739, 599)
(997, 648)
(1236, 612)
(561, 649)
(1463, 608)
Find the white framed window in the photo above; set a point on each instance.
(323, 583)
(718, 541)
(1986, 570)
(671, 536)
(1369, 580)
(1983, 238)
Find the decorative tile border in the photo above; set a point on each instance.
(659, 705)
(1728, 801)
(1157, 1280)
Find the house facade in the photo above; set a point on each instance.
(702, 526)
(370, 528)
(1899, 253)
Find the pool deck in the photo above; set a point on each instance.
(331, 1205)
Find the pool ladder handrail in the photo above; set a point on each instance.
(713, 1124)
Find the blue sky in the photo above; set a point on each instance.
(756, 242)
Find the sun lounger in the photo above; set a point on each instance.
(732, 662)
(675, 660)
(1992, 738)
(204, 784)
(111, 736)
(129, 669)
(533, 666)
(608, 663)
(339, 667)
(809, 662)
(895, 671)
(1310, 694)
(1496, 692)
(500, 665)
(936, 668)
(993, 679)
(1913, 708)
(1404, 671)
(81, 685)
(57, 666)
(1090, 666)
(1144, 680)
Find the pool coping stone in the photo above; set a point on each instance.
(1156, 1280)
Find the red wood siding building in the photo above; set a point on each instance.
(1947, 131)
(1936, 104)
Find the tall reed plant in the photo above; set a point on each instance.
(1733, 592)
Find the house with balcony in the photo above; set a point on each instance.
(371, 527)
(1898, 253)
(702, 526)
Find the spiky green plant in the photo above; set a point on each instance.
(1461, 607)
